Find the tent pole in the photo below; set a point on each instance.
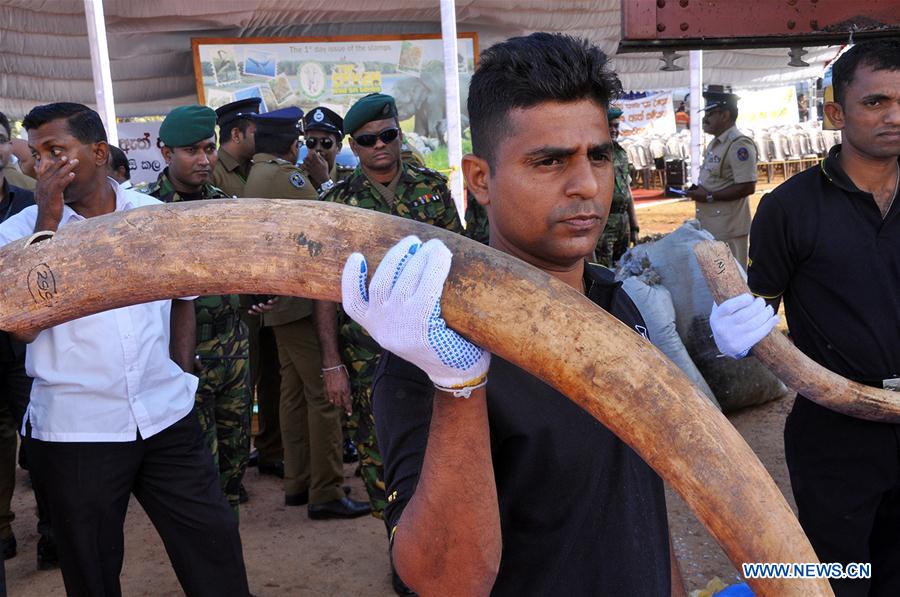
(454, 118)
(96, 25)
(696, 105)
(811, 112)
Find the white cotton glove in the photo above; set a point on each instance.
(402, 311)
(739, 323)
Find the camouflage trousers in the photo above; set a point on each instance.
(371, 468)
(223, 405)
(360, 353)
(614, 241)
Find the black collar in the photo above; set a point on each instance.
(832, 170)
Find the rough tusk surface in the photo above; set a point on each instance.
(516, 311)
(795, 369)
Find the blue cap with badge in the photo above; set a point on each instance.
(321, 118)
(285, 120)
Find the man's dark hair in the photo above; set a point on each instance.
(241, 124)
(277, 145)
(878, 54)
(118, 159)
(4, 122)
(523, 72)
(84, 124)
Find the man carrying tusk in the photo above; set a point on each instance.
(828, 242)
(496, 482)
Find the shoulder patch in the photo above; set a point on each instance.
(743, 154)
(424, 170)
(297, 180)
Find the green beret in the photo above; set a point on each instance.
(186, 125)
(375, 106)
(612, 113)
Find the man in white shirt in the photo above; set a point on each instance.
(111, 411)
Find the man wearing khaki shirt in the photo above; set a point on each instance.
(727, 177)
(310, 424)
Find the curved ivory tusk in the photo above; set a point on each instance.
(795, 369)
(516, 311)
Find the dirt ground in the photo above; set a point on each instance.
(288, 554)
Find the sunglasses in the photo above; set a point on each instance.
(327, 142)
(386, 136)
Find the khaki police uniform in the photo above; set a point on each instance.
(730, 159)
(227, 175)
(310, 425)
(17, 178)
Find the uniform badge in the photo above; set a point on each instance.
(318, 116)
(297, 180)
(743, 154)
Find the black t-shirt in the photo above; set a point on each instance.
(580, 512)
(822, 243)
(12, 201)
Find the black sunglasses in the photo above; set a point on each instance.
(326, 142)
(386, 136)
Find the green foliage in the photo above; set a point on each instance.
(439, 159)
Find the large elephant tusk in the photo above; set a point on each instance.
(516, 311)
(795, 369)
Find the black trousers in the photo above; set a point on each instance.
(845, 475)
(172, 475)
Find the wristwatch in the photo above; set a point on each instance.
(709, 198)
(326, 186)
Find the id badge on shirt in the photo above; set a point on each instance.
(892, 384)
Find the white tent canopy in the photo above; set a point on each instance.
(45, 55)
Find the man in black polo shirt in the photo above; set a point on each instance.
(495, 481)
(828, 242)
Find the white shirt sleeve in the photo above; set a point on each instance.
(18, 226)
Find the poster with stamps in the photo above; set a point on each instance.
(336, 72)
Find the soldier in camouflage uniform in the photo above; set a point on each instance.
(385, 183)
(223, 396)
(621, 226)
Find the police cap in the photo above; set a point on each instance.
(323, 119)
(283, 121)
(244, 108)
(718, 99)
